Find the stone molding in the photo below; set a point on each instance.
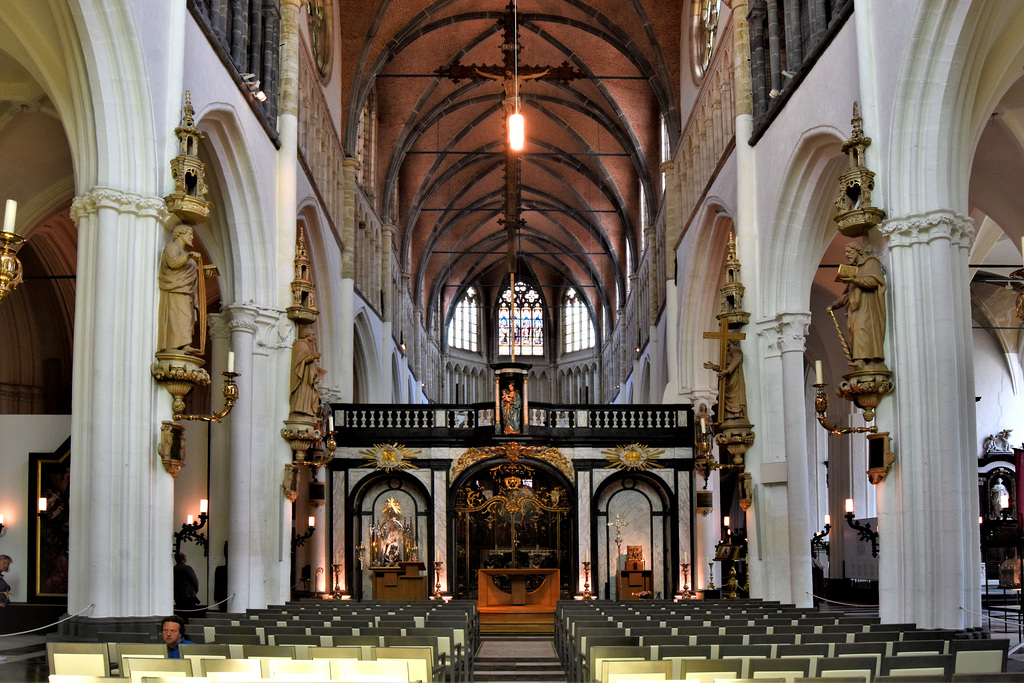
(785, 333)
(926, 227)
(123, 202)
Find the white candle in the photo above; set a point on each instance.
(330, 421)
(828, 520)
(725, 522)
(686, 557)
(817, 372)
(231, 361)
(1, 519)
(190, 519)
(849, 505)
(9, 214)
(42, 505)
(586, 556)
(312, 521)
(204, 506)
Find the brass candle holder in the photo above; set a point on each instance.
(336, 593)
(711, 575)
(437, 580)
(587, 595)
(687, 593)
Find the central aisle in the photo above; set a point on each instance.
(517, 658)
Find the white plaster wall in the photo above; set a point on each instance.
(23, 434)
(998, 408)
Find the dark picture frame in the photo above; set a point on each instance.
(49, 477)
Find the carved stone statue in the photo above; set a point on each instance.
(306, 375)
(734, 403)
(998, 443)
(864, 300)
(179, 292)
(996, 494)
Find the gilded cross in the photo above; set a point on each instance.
(618, 524)
(724, 336)
(510, 73)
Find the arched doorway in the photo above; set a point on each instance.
(512, 512)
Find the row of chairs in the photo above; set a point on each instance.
(406, 664)
(588, 635)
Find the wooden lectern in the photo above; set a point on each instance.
(407, 581)
(633, 579)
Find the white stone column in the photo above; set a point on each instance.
(346, 288)
(928, 506)
(220, 445)
(287, 153)
(120, 540)
(781, 511)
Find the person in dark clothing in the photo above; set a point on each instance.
(186, 584)
(172, 629)
(5, 588)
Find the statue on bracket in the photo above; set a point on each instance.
(306, 375)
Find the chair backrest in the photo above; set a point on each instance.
(847, 666)
(599, 653)
(979, 656)
(268, 651)
(378, 671)
(700, 669)
(787, 669)
(299, 669)
(78, 648)
(236, 638)
(918, 665)
(350, 652)
(688, 651)
(614, 670)
(246, 667)
(420, 660)
(139, 651)
(137, 667)
(923, 647)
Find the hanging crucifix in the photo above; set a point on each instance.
(510, 74)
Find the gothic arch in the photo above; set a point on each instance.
(365, 362)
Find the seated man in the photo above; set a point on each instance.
(172, 628)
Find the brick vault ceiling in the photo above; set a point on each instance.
(592, 143)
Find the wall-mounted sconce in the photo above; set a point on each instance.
(864, 532)
(401, 340)
(880, 457)
(230, 391)
(818, 540)
(300, 539)
(253, 84)
(10, 266)
(821, 407)
(190, 529)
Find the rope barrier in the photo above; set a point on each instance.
(988, 616)
(837, 602)
(203, 609)
(32, 630)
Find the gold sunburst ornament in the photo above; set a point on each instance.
(390, 456)
(634, 456)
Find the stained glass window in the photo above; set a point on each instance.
(462, 328)
(576, 323)
(521, 319)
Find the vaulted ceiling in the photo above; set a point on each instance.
(594, 144)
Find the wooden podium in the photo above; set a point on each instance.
(633, 579)
(407, 581)
(529, 612)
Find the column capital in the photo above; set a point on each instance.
(350, 165)
(218, 326)
(123, 202)
(925, 227)
(668, 166)
(243, 317)
(785, 333)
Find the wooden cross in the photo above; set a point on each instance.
(724, 336)
(507, 73)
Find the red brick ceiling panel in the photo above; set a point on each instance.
(591, 143)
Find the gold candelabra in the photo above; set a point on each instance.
(437, 580)
(687, 593)
(336, 593)
(587, 595)
(711, 575)
(10, 266)
(733, 583)
(821, 407)
(230, 397)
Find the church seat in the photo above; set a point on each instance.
(846, 666)
(813, 650)
(293, 669)
(268, 652)
(876, 650)
(719, 639)
(922, 647)
(929, 634)
(225, 634)
(979, 656)
(599, 653)
(794, 628)
(788, 669)
(744, 653)
(843, 628)
(581, 657)
(772, 639)
(830, 638)
(877, 637)
(918, 665)
(139, 650)
(1011, 677)
(709, 669)
(136, 668)
(388, 670)
(249, 667)
(420, 660)
(99, 650)
(899, 628)
(623, 670)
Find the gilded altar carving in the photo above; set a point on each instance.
(514, 451)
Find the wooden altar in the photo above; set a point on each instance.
(520, 599)
(407, 581)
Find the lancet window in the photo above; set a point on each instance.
(463, 332)
(577, 325)
(521, 322)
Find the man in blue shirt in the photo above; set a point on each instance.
(172, 628)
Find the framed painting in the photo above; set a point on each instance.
(49, 476)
